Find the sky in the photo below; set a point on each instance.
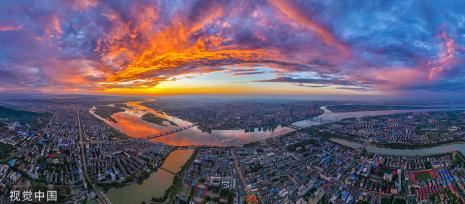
(406, 48)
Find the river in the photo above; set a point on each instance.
(441, 149)
(131, 123)
(155, 185)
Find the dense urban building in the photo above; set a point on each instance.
(214, 115)
(81, 157)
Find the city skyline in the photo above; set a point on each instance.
(232, 101)
(274, 47)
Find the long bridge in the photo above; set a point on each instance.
(169, 171)
(169, 132)
(293, 126)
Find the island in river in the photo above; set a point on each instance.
(150, 117)
(106, 111)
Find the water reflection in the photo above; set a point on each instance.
(155, 185)
(131, 123)
(329, 116)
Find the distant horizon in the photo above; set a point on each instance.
(347, 98)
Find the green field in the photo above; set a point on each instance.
(422, 176)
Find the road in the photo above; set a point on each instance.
(239, 171)
(241, 176)
(100, 197)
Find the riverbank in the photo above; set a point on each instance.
(107, 111)
(209, 116)
(132, 124)
(440, 149)
(171, 192)
(136, 179)
(416, 146)
(158, 182)
(426, 151)
(400, 146)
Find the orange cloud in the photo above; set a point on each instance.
(169, 49)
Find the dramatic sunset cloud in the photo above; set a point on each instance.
(221, 46)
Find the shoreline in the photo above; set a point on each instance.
(324, 108)
(400, 152)
(154, 171)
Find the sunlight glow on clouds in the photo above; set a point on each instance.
(232, 47)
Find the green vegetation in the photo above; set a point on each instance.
(3, 126)
(413, 146)
(150, 117)
(5, 150)
(458, 159)
(172, 188)
(107, 111)
(151, 105)
(116, 134)
(122, 105)
(422, 176)
(428, 165)
(392, 200)
(138, 178)
(300, 146)
(33, 119)
(381, 171)
(226, 193)
(252, 144)
(177, 182)
(447, 194)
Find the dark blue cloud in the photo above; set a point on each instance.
(94, 41)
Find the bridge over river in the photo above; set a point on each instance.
(169, 171)
(169, 132)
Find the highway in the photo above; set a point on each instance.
(100, 197)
